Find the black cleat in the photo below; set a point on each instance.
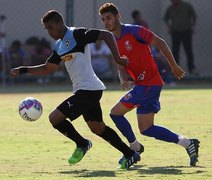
(193, 150)
(141, 150)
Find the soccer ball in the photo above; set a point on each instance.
(30, 109)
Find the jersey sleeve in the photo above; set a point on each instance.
(85, 36)
(143, 34)
(54, 58)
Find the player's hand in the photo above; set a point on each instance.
(15, 72)
(178, 72)
(126, 85)
(123, 61)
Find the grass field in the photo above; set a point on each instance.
(34, 150)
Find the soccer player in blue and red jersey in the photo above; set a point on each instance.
(134, 42)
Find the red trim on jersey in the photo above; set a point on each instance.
(128, 105)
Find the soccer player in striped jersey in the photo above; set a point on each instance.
(134, 42)
(72, 47)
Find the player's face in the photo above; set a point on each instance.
(110, 21)
(54, 29)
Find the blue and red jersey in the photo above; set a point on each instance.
(134, 43)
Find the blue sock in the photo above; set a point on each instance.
(124, 126)
(161, 133)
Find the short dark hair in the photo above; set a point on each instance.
(52, 15)
(108, 7)
(135, 13)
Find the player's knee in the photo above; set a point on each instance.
(143, 130)
(114, 111)
(51, 118)
(97, 128)
(56, 117)
(114, 117)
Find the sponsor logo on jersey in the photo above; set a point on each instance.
(67, 57)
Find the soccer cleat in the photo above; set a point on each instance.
(193, 150)
(139, 152)
(127, 162)
(79, 153)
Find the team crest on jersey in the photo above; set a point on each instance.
(67, 43)
(128, 46)
(128, 96)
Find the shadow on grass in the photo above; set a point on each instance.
(172, 170)
(165, 170)
(89, 173)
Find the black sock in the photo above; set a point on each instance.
(67, 129)
(113, 138)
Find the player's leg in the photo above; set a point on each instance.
(109, 135)
(59, 122)
(126, 104)
(71, 108)
(147, 128)
(95, 122)
(149, 105)
(145, 116)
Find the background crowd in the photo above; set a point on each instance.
(179, 17)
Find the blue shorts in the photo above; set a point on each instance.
(145, 98)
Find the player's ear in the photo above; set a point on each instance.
(118, 16)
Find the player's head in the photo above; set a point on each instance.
(136, 15)
(54, 24)
(175, 2)
(110, 16)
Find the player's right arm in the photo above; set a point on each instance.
(123, 77)
(41, 69)
(47, 68)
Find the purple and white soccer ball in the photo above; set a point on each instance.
(30, 109)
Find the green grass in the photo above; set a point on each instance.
(34, 150)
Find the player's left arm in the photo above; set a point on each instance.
(86, 36)
(147, 37)
(111, 43)
(164, 48)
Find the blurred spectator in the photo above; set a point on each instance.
(2, 31)
(16, 54)
(138, 19)
(39, 50)
(102, 61)
(2, 45)
(44, 48)
(30, 45)
(180, 19)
